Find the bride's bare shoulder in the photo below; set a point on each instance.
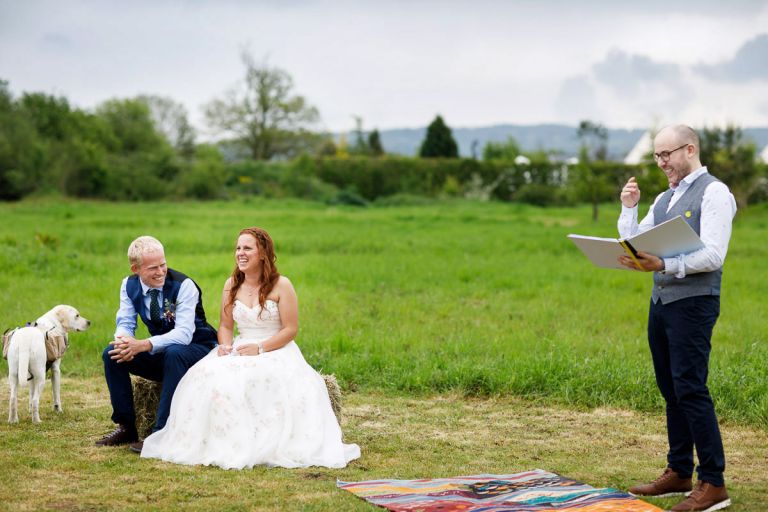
(283, 288)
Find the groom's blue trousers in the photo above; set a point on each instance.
(680, 334)
(168, 367)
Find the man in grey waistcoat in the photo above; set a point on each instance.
(685, 304)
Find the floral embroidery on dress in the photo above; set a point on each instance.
(236, 412)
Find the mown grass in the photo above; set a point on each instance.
(55, 466)
(480, 299)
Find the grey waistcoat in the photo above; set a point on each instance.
(667, 287)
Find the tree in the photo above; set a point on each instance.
(593, 179)
(141, 163)
(439, 141)
(506, 151)
(20, 152)
(50, 115)
(359, 147)
(370, 146)
(130, 121)
(264, 114)
(170, 118)
(594, 138)
(732, 160)
(204, 178)
(374, 143)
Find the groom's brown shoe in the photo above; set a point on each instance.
(704, 498)
(121, 435)
(668, 484)
(136, 447)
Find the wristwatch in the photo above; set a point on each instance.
(261, 347)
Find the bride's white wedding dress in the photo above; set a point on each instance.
(240, 411)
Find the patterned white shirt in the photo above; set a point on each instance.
(718, 207)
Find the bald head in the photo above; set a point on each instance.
(676, 150)
(680, 134)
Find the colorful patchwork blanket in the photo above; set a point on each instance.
(531, 491)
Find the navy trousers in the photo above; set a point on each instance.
(168, 367)
(679, 334)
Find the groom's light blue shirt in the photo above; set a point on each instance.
(184, 326)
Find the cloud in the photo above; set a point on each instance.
(56, 41)
(629, 73)
(749, 63)
(576, 99)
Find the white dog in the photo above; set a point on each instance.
(27, 357)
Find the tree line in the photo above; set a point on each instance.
(145, 148)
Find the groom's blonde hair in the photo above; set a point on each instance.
(141, 246)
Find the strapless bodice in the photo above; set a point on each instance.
(256, 324)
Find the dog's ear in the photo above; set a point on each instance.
(60, 312)
(65, 315)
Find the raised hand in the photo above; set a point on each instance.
(630, 194)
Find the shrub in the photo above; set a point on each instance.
(205, 178)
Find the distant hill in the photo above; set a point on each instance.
(549, 137)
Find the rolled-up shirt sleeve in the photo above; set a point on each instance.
(718, 207)
(126, 314)
(628, 225)
(184, 326)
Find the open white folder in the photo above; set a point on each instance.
(664, 240)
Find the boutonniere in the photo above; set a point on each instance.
(169, 311)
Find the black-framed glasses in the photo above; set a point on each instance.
(664, 155)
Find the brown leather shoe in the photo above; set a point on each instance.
(121, 435)
(668, 484)
(704, 498)
(136, 447)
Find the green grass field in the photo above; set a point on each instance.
(55, 466)
(468, 338)
(477, 298)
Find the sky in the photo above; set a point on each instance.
(397, 64)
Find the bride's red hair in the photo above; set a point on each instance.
(269, 274)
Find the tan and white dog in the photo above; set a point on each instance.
(27, 357)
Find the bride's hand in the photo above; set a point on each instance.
(249, 349)
(225, 350)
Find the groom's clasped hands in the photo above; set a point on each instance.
(126, 348)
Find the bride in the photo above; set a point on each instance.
(254, 399)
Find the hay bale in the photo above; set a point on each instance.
(146, 397)
(334, 393)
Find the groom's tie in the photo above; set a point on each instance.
(154, 305)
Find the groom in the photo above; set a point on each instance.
(170, 305)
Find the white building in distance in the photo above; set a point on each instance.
(642, 147)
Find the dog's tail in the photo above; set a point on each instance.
(24, 344)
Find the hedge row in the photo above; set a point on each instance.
(372, 179)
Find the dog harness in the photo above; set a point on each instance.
(55, 345)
